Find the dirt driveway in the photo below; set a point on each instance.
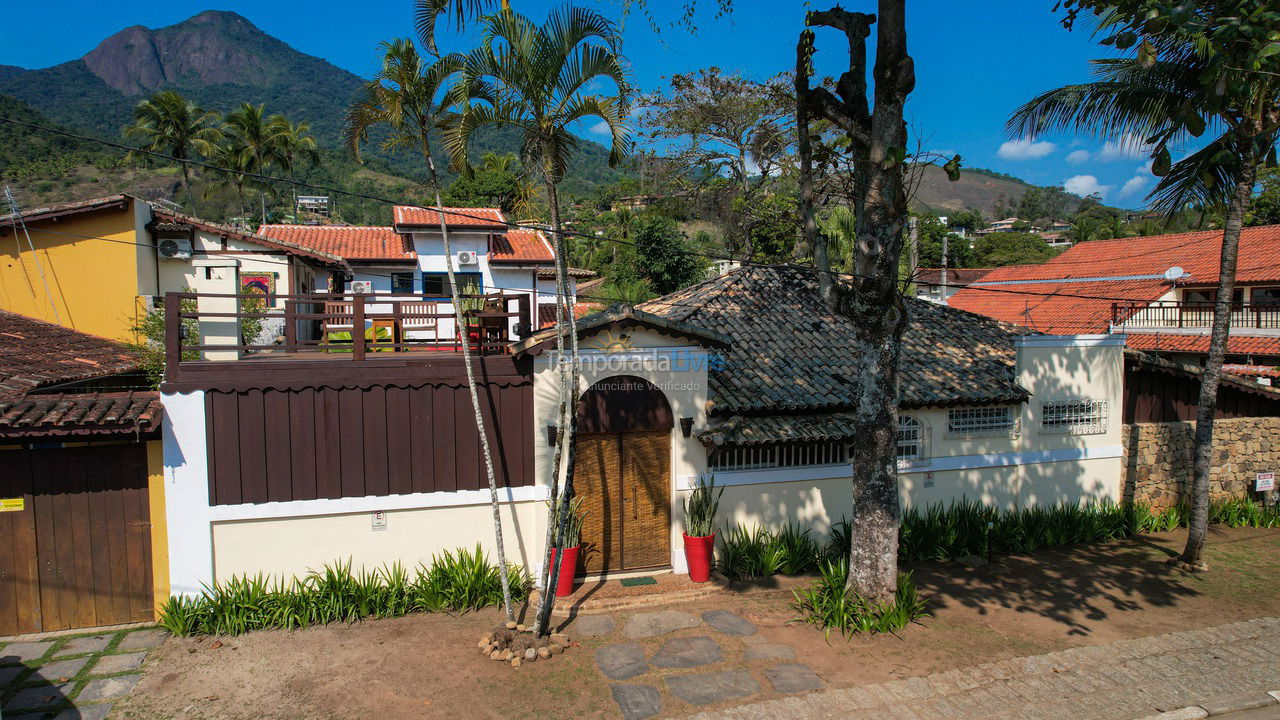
(427, 666)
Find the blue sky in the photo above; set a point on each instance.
(975, 62)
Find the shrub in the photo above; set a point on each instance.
(749, 553)
(700, 508)
(829, 605)
(456, 581)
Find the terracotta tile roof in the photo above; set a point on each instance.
(36, 354)
(31, 215)
(550, 273)
(350, 242)
(955, 276)
(411, 216)
(790, 357)
(61, 414)
(521, 246)
(1079, 307)
(1252, 370)
(1170, 342)
(170, 220)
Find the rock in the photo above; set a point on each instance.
(483, 651)
(652, 624)
(792, 678)
(511, 625)
(619, 662)
(687, 652)
(593, 625)
(560, 639)
(543, 653)
(520, 627)
(770, 651)
(555, 648)
(712, 687)
(530, 654)
(495, 655)
(506, 654)
(728, 623)
(515, 662)
(486, 638)
(637, 702)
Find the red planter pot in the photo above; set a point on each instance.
(568, 566)
(699, 553)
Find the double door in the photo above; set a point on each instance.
(624, 479)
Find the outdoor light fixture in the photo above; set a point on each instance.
(686, 426)
(551, 435)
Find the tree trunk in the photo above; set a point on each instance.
(569, 405)
(871, 300)
(460, 328)
(186, 185)
(1198, 526)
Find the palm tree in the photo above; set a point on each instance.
(1213, 67)
(498, 163)
(169, 123)
(840, 229)
(1086, 228)
(535, 79)
(261, 143)
(231, 173)
(402, 97)
(426, 14)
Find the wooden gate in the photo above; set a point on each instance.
(624, 482)
(78, 552)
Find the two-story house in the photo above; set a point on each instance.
(1158, 291)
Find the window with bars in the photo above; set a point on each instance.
(1074, 417)
(911, 440)
(981, 421)
(760, 457)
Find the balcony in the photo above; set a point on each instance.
(210, 327)
(1193, 318)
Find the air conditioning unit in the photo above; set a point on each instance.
(467, 257)
(173, 249)
(362, 287)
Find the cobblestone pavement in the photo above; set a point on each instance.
(1120, 681)
(72, 677)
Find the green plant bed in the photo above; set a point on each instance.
(829, 605)
(455, 582)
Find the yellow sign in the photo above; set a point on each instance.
(12, 505)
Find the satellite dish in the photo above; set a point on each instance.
(1174, 274)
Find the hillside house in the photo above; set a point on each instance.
(1157, 291)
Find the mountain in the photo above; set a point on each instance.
(219, 59)
(977, 189)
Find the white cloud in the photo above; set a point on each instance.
(1129, 147)
(1085, 185)
(600, 128)
(1133, 185)
(1025, 149)
(1078, 156)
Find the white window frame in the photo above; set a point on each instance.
(909, 423)
(982, 421)
(1076, 416)
(772, 456)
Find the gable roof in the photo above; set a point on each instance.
(76, 414)
(955, 276)
(361, 243)
(412, 216)
(791, 358)
(521, 246)
(76, 207)
(624, 316)
(171, 219)
(35, 354)
(1102, 272)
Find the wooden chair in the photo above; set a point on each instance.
(338, 318)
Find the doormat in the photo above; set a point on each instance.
(632, 582)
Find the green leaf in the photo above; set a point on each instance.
(952, 168)
(1269, 50)
(1125, 40)
(1194, 124)
(1146, 54)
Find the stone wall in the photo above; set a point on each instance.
(1158, 465)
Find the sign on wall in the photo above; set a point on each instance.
(1265, 482)
(261, 283)
(12, 504)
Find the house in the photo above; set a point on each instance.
(1005, 225)
(405, 261)
(82, 523)
(281, 461)
(98, 265)
(1157, 291)
(939, 284)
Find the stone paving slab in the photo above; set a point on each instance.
(637, 702)
(85, 712)
(728, 623)
(108, 688)
(108, 664)
(37, 697)
(793, 678)
(770, 651)
(1129, 679)
(713, 687)
(619, 662)
(87, 644)
(142, 640)
(24, 651)
(592, 625)
(653, 624)
(59, 669)
(10, 673)
(686, 652)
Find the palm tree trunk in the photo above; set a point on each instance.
(465, 342)
(568, 406)
(186, 185)
(1198, 527)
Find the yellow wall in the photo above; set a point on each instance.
(90, 263)
(159, 524)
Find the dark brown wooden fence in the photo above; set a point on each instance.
(1154, 393)
(277, 445)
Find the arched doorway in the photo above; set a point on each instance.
(623, 474)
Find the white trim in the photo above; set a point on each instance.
(1043, 341)
(937, 464)
(1113, 278)
(371, 503)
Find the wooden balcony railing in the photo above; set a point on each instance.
(345, 326)
(1173, 315)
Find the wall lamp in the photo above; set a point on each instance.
(551, 435)
(686, 426)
